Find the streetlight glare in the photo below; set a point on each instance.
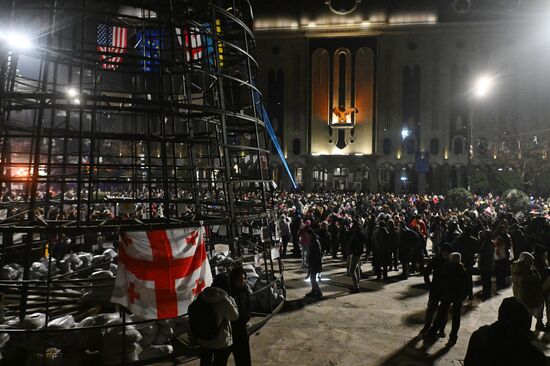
(17, 40)
(72, 92)
(483, 86)
(405, 133)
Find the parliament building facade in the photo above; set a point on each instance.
(381, 95)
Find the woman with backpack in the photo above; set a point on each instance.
(210, 317)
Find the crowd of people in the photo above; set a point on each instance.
(398, 235)
(392, 232)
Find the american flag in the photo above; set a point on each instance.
(111, 40)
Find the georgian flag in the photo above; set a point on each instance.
(161, 272)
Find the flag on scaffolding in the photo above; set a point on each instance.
(149, 43)
(161, 272)
(193, 41)
(111, 44)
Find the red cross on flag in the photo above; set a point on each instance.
(161, 272)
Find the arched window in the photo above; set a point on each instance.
(296, 146)
(386, 146)
(458, 145)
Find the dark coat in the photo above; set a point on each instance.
(357, 242)
(242, 299)
(497, 345)
(434, 267)
(454, 282)
(382, 240)
(333, 231)
(467, 246)
(408, 239)
(325, 239)
(315, 257)
(486, 262)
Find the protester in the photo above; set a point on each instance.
(467, 246)
(486, 262)
(286, 236)
(434, 267)
(393, 239)
(502, 243)
(295, 226)
(507, 341)
(306, 237)
(333, 232)
(215, 350)
(314, 262)
(454, 289)
(407, 240)
(357, 244)
(324, 238)
(382, 251)
(240, 291)
(527, 286)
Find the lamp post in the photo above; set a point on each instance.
(481, 89)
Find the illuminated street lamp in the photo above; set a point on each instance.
(482, 87)
(16, 40)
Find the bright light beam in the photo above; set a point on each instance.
(16, 40)
(483, 86)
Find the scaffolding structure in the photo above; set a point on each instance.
(124, 116)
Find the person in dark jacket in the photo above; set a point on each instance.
(343, 236)
(467, 246)
(417, 259)
(314, 262)
(333, 232)
(407, 239)
(518, 240)
(286, 236)
(382, 251)
(357, 244)
(324, 238)
(453, 232)
(502, 243)
(393, 239)
(240, 291)
(295, 227)
(454, 289)
(505, 342)
(486, 262)
(434, 268)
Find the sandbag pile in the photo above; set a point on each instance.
(70, 263)
(139, 342)
(102, 337)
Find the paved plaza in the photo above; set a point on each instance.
(378, 326)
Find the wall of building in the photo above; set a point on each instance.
(424, 76)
